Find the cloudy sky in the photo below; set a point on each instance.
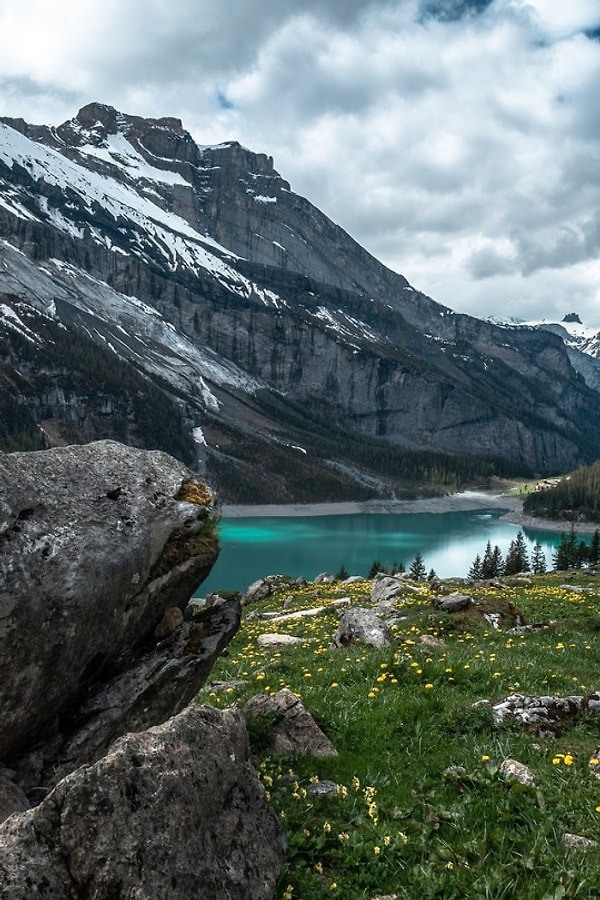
(457, 140)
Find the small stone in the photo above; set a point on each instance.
(512, 768)
(267, 641)
(172, 619)
(578, 842)
(323, 789)
(430, 640)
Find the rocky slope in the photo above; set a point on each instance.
(183, 297)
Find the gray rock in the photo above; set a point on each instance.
(12, 798)
(386, 588)
(454, 602)
(363, 625)
(324, 578)
(545, 710)
(267, 641)
(513, 769)
(154, 687)
(578, 842)
(96, 543)
(264, 587)
(293, 729)
(176, 812)
(323, 788)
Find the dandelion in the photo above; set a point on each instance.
(593, 761)
(428, 686)
(376, 850)
(371, 694)
(598, 809)
(568, 760)
(334, 684)
(449, 864)
(485, 758)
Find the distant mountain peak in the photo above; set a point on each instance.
(251, 312)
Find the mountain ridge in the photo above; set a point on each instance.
(202, 270)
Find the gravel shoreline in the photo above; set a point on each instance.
(462, 501)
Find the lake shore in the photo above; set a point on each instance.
(462, 501)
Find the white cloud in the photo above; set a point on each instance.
(461, 149)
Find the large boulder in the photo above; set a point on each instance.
(96, 543)
(175, 812)
(363, 626)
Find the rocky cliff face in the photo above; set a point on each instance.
(110, 784)
(261, 324)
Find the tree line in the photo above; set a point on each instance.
(575, 497)
(570, 553)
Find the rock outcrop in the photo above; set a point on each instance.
(174, 812)
(96, 542)
(110, 786)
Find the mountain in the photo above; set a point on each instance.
(581, 342)
(181, 296)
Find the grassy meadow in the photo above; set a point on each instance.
(420, 808)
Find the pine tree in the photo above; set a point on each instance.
(487, 564)
(417, 569)
(566, 554)
(475, 572)
(497, 562)
(538, 559)
(594, 549)
(517, 559)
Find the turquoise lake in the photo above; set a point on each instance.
(307, 545)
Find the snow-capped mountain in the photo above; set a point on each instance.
(177, 295)
(581, 341)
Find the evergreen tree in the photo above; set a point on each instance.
(517, 559)
(582, 554)
(417, 569)
(475, 572)
(594, 549)
(497, 562)
(538, 559)
(376, 567)
(566, 554)
(342, 573)
(487, 564)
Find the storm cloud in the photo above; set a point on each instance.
(457, 140)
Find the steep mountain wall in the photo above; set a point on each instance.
(202, 270)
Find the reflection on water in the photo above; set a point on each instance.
(306, 546)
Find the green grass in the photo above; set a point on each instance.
(404, 819)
